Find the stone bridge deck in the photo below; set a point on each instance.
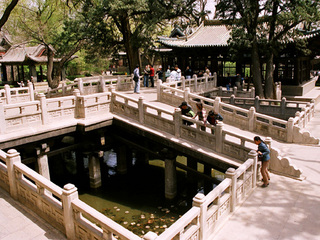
(287, 209)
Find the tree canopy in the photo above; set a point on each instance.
(265, 27)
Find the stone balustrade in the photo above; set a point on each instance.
(282, 109)
(17, 95)
(63, 209)
(45, 111)
(221, 141)
(287, 131)
(48, 110)
(195, 84)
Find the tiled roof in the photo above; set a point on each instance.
(204, 36)
(20, 53)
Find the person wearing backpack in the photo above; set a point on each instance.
(136, 78)
(186, 110)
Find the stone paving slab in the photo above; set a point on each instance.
(17, 223)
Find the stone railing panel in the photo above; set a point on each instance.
(217, 206)
(235, 145)
(125, 106)
(40, 195)
(91, 224)
(91, 105)
(4, 180)
(20, 115)
(185, 228)
(63, 107)
(159, 118)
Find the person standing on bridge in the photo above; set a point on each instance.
(201, 113)
(151, 75)
(146, 73)
(263, 156)
(136, 78)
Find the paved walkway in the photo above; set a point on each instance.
(287, 209)
(17, 223)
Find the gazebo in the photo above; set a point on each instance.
(22, 62)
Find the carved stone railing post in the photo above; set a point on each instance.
(102, 87)
(220, 91)
(43, 106)
(251, 120)
(69, 194)
(283, 105)
(216, 105)
(80, 85)
(253, 92)
(159, 90)
(2, 118)
(150, 236)
(290, 125)
(257, 103)
(235, 90)
(231, 173)
(219, 140)
(195, 83)
(63, 86)
(76, 94)
(215, 79)
(7, 93)
(232, 99)
(177, 121)
(313, 107)
(253, 155)
(268, 141)
(198, 201)
(186, 94)
(206, 81)
(141, 109)
(183, 81)
(31, 91)
(113, 98)
(12, 157)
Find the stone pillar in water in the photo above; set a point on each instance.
(94, 169)
(42, 160)
(122, 160)
(170, 175)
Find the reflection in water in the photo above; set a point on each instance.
(136, 200)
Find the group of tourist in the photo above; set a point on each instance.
(148, 74)
(213, 118)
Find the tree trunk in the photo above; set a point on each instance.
(131, 50)
(52, 82)
(256, 69)
(269, 84)
(7, 12)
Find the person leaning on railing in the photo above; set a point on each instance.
(263, 156)
(213, 118)
(186, 110)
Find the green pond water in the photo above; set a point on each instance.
(136, 200)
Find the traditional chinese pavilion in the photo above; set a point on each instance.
(20, 62)
(208, 46)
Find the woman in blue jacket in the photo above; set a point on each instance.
(264, 156)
